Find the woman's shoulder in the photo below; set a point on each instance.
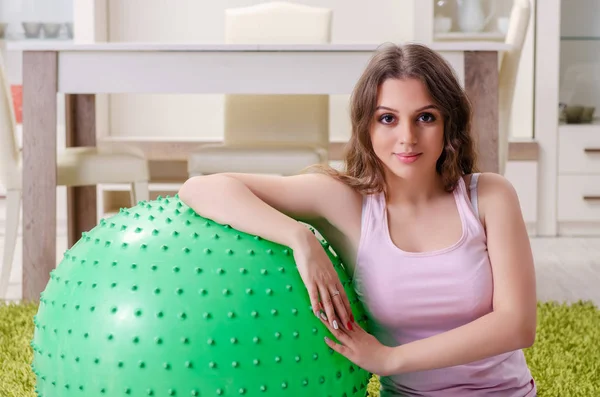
(494, 184)
(495, 193)
(341, 203)
(334, 186)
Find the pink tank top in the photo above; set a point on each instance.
(410, 296)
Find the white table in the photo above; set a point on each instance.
(83, 70)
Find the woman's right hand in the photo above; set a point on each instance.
(272, 207)
(327, 295)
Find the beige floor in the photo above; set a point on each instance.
(567, 269)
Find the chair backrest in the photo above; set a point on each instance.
(517, 31)
(9, 149)
(277, 120)
(278, 22)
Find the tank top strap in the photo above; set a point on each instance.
(469, 206)
(374, 213)
(373, 209)
(473, 193)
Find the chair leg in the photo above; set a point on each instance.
(139, 192)
(13, 210)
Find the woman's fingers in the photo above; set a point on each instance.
(338, 298)
(342, 336)
(346, 302)
(343, 350)
(328, 306)
(313, 294)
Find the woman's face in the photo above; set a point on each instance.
(407, 133)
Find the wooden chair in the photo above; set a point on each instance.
(509, 66)
(76, 166)
(278, 134)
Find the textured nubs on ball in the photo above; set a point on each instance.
(159, 301)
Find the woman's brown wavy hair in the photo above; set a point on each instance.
(363, 169)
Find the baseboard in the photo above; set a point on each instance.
(531, 229)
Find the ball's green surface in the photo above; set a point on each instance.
(158, 301)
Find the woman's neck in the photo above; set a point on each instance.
(414, 192)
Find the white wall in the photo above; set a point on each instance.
(203, 22)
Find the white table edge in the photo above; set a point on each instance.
(216, 47)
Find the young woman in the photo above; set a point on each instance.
(439, 254)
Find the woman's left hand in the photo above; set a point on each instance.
(362, 348)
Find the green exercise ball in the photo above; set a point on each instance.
(159, 301)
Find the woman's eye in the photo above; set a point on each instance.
(387, 118)
(427, 117)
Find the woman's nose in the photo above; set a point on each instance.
(406, 133)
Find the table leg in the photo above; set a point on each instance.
(81, 131)
(39, 170)
(481, 85)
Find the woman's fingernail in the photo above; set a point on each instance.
(323, 316)
(327, 339)
(349, 326)
(335, 324)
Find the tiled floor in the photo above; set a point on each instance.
(567, 269)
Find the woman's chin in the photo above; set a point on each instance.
(407, 173)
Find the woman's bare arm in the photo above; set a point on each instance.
(510, 326)
(271, 206)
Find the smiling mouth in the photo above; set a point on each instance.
(407, 158)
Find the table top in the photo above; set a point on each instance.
(69, 46)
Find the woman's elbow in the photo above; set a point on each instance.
(526, 333)
(529, 336)
(187, 189)
(198, 189)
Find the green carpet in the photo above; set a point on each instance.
(565, 359)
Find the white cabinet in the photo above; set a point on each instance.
(578, 199)
(568, 58)
(578, 187)
(579, 149)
